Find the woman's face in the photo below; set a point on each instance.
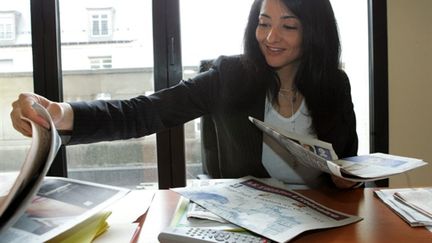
(279, 34)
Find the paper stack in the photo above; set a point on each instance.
(414, 205)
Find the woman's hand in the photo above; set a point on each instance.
(344, 184)
(61, 113)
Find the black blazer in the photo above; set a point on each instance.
(214, 93)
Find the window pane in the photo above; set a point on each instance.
(120, 67)
(95, 27)
(104, 27)
(352, 17)
(16, 76)
(212, 41)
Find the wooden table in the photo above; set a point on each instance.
(379, 224)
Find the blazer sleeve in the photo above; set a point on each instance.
(344, 136)
(96, 121)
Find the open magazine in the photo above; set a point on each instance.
(61, 208)
(34, 207)
(44, 146)
(321, 155)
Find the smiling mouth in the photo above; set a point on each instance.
(275, 50)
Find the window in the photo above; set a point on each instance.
(195, 48)
(100, 62)
(16, 76)
(90, 64)
(352, 19)
(7, 26)
(100, 22)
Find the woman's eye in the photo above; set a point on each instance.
(263, 25)
(290, 27)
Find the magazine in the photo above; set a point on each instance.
(35, 208)
(44, 146)
(321, 155)
(60, 205)
(274, 212)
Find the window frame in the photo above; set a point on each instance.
(47, 73)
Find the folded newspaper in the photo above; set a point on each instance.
(32, 207)
(321, 155)
(274, 212)
(408, 213)
(419, 199)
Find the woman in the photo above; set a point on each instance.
(288, 76)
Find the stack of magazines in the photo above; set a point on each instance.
(414, 205)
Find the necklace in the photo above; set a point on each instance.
(287, 91)
(293, 100)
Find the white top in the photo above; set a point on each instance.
(276, 159)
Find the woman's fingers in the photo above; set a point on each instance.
(22, 107)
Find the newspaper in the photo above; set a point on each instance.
(413, 217)
(195, 211)
(190, 214)
(273, 212)
(182, 218)
(321, 155)
(17, 195)
(59, 205)
(419, 199)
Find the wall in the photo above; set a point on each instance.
(410, 86)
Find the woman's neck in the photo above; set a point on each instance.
(286, 76)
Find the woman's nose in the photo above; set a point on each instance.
(273, 35)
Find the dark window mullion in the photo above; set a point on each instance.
(47, 76)
(378, 55)
(379, 75)
(167, 71)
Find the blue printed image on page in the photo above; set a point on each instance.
(379, 161)
(197, 196)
